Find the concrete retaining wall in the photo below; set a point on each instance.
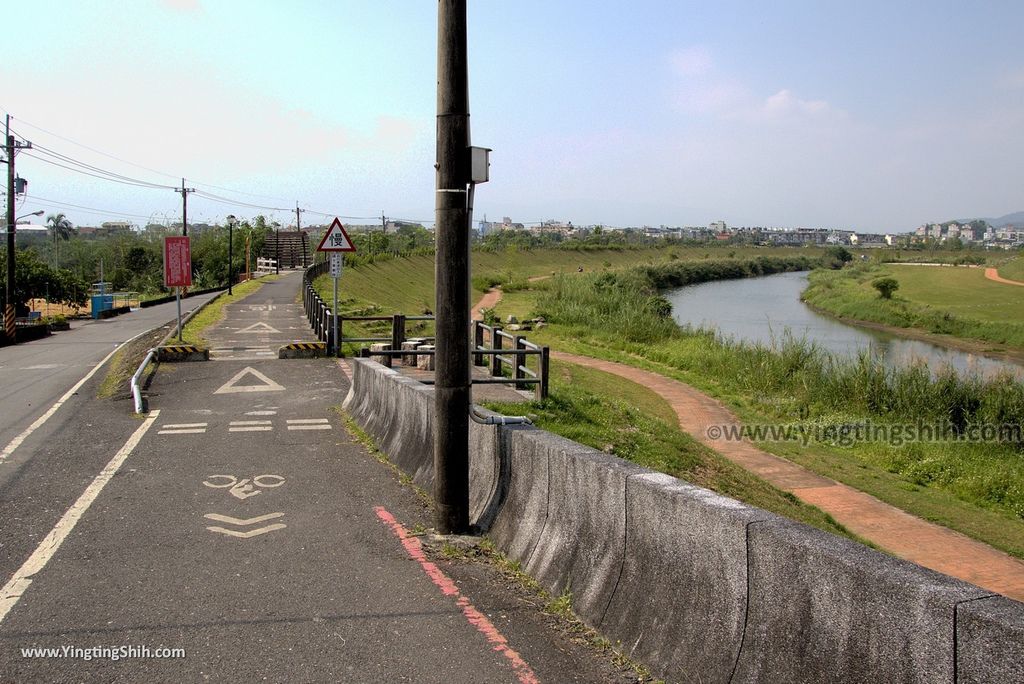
(695, 585)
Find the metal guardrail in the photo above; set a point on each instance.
(508, 352)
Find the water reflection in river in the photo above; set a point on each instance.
(762, 309)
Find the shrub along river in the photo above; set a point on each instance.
(763, 310)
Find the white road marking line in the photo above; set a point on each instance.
(259, 327)
(254, 428)
(250, 422)
(197, 431)
(16, 442)
(307, 421)
(261, 413)
(174, 426)
(19, 583)
(43, 366)
(310, 427)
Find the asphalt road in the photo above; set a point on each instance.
(33, 375)
(243, 524)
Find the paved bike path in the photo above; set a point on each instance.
(248, 528)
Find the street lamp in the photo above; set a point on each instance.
(277, 248)
(34, 213)
(231, 229)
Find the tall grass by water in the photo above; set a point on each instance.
(795, 377)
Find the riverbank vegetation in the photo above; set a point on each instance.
(977, 488)
(616, 312)
(943, 300)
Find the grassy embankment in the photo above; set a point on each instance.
(954, 301)
(1013, 270)
(406, 284)
(213, 312)
(975, 488)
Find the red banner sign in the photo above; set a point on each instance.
(177, 262)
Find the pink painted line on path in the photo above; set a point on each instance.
(480, 621)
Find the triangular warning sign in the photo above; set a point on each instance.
(336, 239)
(259, 327)
(266, 384)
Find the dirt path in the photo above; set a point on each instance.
(993, 274)
(896, 531)
(488, 301)
(892, 529)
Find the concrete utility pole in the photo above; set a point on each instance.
(451, 266)
(184, 206)
(298, 217)
(9, 304)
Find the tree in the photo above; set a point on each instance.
(35, 279)
(60, 229)
(885, 287)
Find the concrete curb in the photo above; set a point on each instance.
(182, 352)
(302, 350)
(694, 584)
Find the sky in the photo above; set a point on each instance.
(871, 116)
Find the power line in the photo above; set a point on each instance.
(71, 160)
(38, 200)
(151, 186)
(140, 166)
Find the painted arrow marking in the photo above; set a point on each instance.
(259, 327)
(242, 523)
(232, 386)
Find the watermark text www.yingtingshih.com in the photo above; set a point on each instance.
(848, 434)
(113, 653)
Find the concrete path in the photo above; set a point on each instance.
(241, 523)
(896, 531)
(993, 274)
(255, 327)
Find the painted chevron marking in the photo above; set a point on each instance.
(250, 533)
(216, 517)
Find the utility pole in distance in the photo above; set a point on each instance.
(298, 227)
(184, 206)
(9, 304)
(451, 266)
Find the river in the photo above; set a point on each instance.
(761, 310)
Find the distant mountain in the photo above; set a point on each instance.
(1016, 219)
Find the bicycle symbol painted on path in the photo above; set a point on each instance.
(246, 487)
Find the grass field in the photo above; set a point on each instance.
(955, 301)
(1013, 270)
(964, 291)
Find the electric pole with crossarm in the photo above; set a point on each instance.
(12, 148)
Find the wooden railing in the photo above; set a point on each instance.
(511, 358)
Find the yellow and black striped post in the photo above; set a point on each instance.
(302, 350)
(9, 321)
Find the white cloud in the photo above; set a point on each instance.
(702, 88)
